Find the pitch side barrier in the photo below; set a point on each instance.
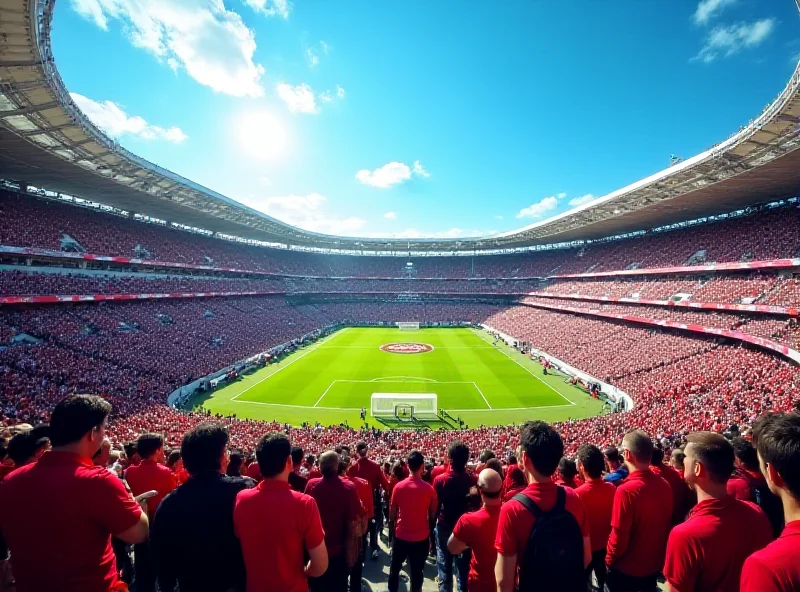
(774, 346)
(617, 396)
(757, 308)
(682, 270)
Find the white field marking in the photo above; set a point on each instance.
(482, 397)
(498, 409)
(529, 371)
(304, 354)
(437, 347)
(322, 396)
(405, 379)
(299, 406)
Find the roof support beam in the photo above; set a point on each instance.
(20, 63)
(54, 128)
(31, 109)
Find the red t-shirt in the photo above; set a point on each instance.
(338, 504)
(370, 471)
(516, 521)
(5, 469)
(640, 524)
(57, 516)
(598, 501)
(254, 472)
(439, 470)
(415, 501)
(679, 490)
(742, 485)
(776, 567)
(707, 551)
(149, 475)
(275, 525)
(365, 495)
(478, 530)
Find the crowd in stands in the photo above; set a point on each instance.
(700, 510)
(33, 222)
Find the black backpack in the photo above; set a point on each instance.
(553, 558)
(772, 506)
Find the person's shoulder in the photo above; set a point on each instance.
(233, 483)
(313, 482)
(749, 510)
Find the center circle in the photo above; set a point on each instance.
(406, 348)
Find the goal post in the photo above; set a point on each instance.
(404, 405)
(407, 326)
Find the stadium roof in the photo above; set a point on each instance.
(46, 142)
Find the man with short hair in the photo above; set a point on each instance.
(541, 449)
(371, 472)
(617, 471)
(452, 492)
(750, 485)
(598, 501)
(149, 475)
(707, 551)
(640, 521)
(192, 539)
(413, 506)
(26, 447)
(477, 531)
(298, 478)
(340, 510)
(76, 505)
(680, 492)
(277, 526)
(776, 568)
(676, 461)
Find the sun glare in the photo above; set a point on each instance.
(262, 135)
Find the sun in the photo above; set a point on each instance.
(261, 135)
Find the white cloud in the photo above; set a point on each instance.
(579, 201)
(299, 99)
(307, 212)
(212, 44)
(391, 174)
(413, 233)
(279, 8)
(390, 216)
(707, 9)
(540, 208)
(326, 97)
(340, 92)
(561, 195)
(728, 40)
(312, 58)
(112, 119)
(325, 47)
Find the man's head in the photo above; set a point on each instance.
(590, 461)
(677, 459)
(657, 458)
(79, 422)
(416, 462)
(203, 448)
(490, 486)
(709, 461)
(746, 454)
(637, 450)
(458, 453)
(495, 464)
(362, 448)
(541, 447)
(777, 440)
(151, 447)
(612, 457)
(567, 468)
(174, 459)
(486, 455)
(297, 456)
(329, 464)
(274, 454)
(26, 447)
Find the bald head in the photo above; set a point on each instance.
(490, 484)
(329, 463)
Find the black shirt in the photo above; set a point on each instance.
(192, 536)
(297, 482)
(453, 493)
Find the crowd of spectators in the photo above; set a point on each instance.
(33, 222)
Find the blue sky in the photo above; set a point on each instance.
(445, 118)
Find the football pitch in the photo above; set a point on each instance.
(329, 381)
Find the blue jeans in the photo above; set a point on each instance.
(444, 564)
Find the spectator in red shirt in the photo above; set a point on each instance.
(452, 492)
(707, 551)
(516, 483)
(541, 449)
(367, 514)
(77, 505)
(26, 447)
(340, 510)
(149, 475)
(776, 568)
(598, 500)
(414, 506)
(298, 478)
(371, 472)
(277, 526)
(680, 492)
(617, 471)
(567, 472)
(512, 464)
(750, 485)
(676, 460)
(640, 521)
(477, 531)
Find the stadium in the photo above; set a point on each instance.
(669, 305)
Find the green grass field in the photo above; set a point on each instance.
(332, 379)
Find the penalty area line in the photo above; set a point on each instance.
(480, 392)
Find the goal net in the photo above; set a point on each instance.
(403, 326)
(404, 405)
